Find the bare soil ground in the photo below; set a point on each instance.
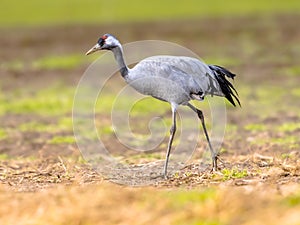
(44, 183)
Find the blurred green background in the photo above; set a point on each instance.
(35, 12)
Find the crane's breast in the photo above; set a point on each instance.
(161, 88)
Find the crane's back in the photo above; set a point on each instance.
(173, 79)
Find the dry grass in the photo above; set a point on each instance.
(110, 204)
(60, 191)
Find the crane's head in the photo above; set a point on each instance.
(106, 42)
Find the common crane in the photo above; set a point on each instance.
(176, 80)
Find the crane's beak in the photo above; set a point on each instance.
(95, 48)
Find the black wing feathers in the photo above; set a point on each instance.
(227, 88)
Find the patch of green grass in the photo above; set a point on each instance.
(233, 174)
(293, 200)
(261, 99)
(105, 130)
(63, 124)
(255, 127)
(34, 12)
(62, 140)
(42, 104)
(3, 134)
(225, 61)
(106, 103)
(231, 128)
(4, 156)
(265, 100)
(191, 201)
(149, 105)
(223, 150)
(15, 65)
(59, 62)
(184, 198)
(292, 71)
(289, 127)
(36, 127)
(289, 140)
(66, 62)
(54, 100)
(269, 94)
(296, 92)
(2, 103)
(285, 155)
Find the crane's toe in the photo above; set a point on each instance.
(215, 159)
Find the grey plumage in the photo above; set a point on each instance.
(189, 78)
(176, 80)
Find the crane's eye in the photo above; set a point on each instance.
(101, 41)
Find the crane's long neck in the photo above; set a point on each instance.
(118, 53)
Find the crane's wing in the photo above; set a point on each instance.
(192, 75)
(227, 88)
(184, 69)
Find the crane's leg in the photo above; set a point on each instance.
(172, 133)
(214, 155)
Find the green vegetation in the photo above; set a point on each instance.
(4, 156)
(34, 12)
(290, 141)
(37, 127)
(59, 62)
(270, 98)
(223, 60)
(255, 127)
(231, 129)
(234, 173)
(54, 100)
(63, 124)
(147, 105)
(62, 140)
(293, 200)
(289, 127)
(269, 94)
(105, 130)
(3, 134)
(292, 71)
(286, 155)
(15, 65)
(64, 62)
(58, 100)
(193, 201)
(296, 92)
(183, 198)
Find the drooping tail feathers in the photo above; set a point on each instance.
(227, 88)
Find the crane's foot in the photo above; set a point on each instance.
(163, 175)
(215, 159)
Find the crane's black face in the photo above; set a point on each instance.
(106, 42)
(101, 41)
